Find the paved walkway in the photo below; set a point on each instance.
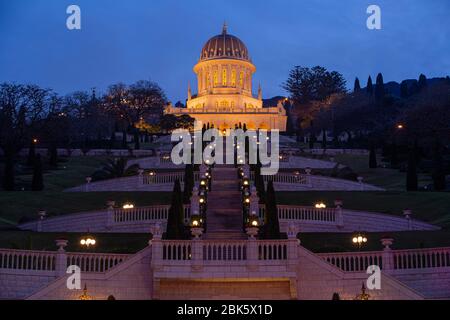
(224, 213)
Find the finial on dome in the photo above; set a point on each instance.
(224, 28)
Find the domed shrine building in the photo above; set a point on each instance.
(224, 85)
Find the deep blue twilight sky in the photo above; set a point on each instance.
(124, 41)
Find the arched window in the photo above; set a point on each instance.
(224, 77)
(215, 78)
(232, 104)
(208, 79)
(241, 78)
(224, 103)
(233, 78)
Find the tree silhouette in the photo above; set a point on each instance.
(175, 219)
(271, 222)
(37, 183)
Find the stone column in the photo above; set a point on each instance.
(158, 158)
(195, 205)
(339, 215)
(61, 257)
(387, 256)
(110, 213)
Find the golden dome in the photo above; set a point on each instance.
(224, 46)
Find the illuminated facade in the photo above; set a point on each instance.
(224, 89)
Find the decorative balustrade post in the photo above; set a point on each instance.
(360, 181)
(157, 246)
(195, 204)
(140, 177)
(61, 257)
(339, 215)
(387, 256)
(254, 201)
(308, 178)
(252, 254)
(407, 213)
(110, 213)
(41, 214)
(197, 252)
(88, 181)
(158, 158)
(292, 247)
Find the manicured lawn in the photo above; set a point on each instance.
(15, 205)
(70, 172)
(433, 207)
(390, 179)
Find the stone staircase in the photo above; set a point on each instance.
(224, 213)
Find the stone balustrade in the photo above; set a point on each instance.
(229, 250)
(389, 260)
(47, 260)
(27, 260)
(303, 213)
(167, 177)
(95, 262)
(158, 213)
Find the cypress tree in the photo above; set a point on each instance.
(259, 182)
(379, 87)
(175, 219)
(8, 177)
(394, 155)
(404, 89)
(31, 154)
(37, 183)
(188, 182)
(112, 140)
(411, 173)
(137, 144)
(53, 153)
(369, 87)
(422, 83)
(438, 173)
(357, 86)
(271, 222)
(124, 140)
(324, 139)
(372, 157)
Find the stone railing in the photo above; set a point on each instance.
(58, 261)
(166, 177)
(229, 250)
(390, 260)
(27, 260)
(421, 258)
(95, 262)
(283, 177)
(175, 110)
(304, 213)
(354, 261)
(145, 214)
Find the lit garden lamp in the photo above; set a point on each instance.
(252, 225)
(400, 126)
(247, 200)
(320, 205)
(196, 225)
(35, 140)
(128, 205)
(359, 240)
(202, 200)
(87, 242)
